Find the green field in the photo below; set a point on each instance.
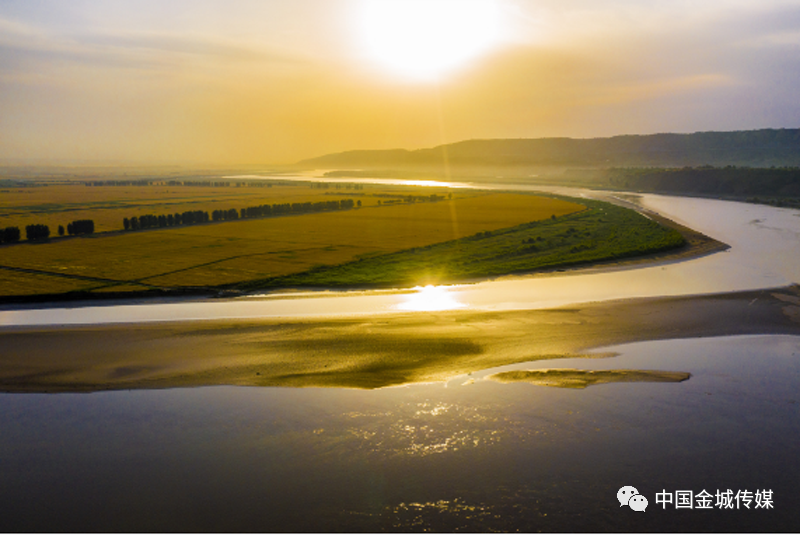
(238, 252)
(20, 283)
(601, 232)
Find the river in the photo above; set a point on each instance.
(763, 254)
(466, 455)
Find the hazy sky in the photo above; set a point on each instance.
(277, 81)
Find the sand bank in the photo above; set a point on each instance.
(572, 378)
(366, 352)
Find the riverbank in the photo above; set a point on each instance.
(696, 245)
(367, 352)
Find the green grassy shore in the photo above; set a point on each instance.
(600, 232)
(468, 238)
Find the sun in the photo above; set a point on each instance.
(426, 39)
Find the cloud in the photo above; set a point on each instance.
(28, 48)
(183, 45)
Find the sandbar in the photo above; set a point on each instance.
(572, 378)
(366, 352)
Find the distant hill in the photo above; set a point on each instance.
(756, 148)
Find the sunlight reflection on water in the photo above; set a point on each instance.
(430, 298)
(760, 257)
(486, 457)
(426, 428)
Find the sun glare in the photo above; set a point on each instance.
(425, 39)
(430, 298)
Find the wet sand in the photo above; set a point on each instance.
(572, 378)
(371, 352)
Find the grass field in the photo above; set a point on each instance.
(240, 251)
(602, 232)
(18, 283)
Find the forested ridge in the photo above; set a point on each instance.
(727, 181)
(759, 148)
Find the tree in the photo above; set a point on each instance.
(126, 223)
(81, 226)
(37, 232)
(11, 234)
(61, 230)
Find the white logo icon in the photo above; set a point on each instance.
(630, 496)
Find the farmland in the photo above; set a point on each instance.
(237, 252)
(601, 232)
(59, 203)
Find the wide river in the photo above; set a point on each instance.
(466, 455)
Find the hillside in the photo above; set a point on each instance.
(757, 148)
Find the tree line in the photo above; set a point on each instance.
(232, 214)
(205, 183)
(266, 210)
(708, 180)
(395, 198)
(81, 226)
(191, 217)
(39, 232)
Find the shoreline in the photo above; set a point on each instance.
(367, 352)
(697, 245)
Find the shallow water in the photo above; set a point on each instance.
(475, 457)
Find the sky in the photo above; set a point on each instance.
(274, 82)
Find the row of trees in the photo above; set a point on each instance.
(225, 215)
(231, 214)
(394, 198)
(191, 217)
(337, 185)
(266, 210)
(39, 232)
(10, 235)
(223, 184)
(150, 182)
